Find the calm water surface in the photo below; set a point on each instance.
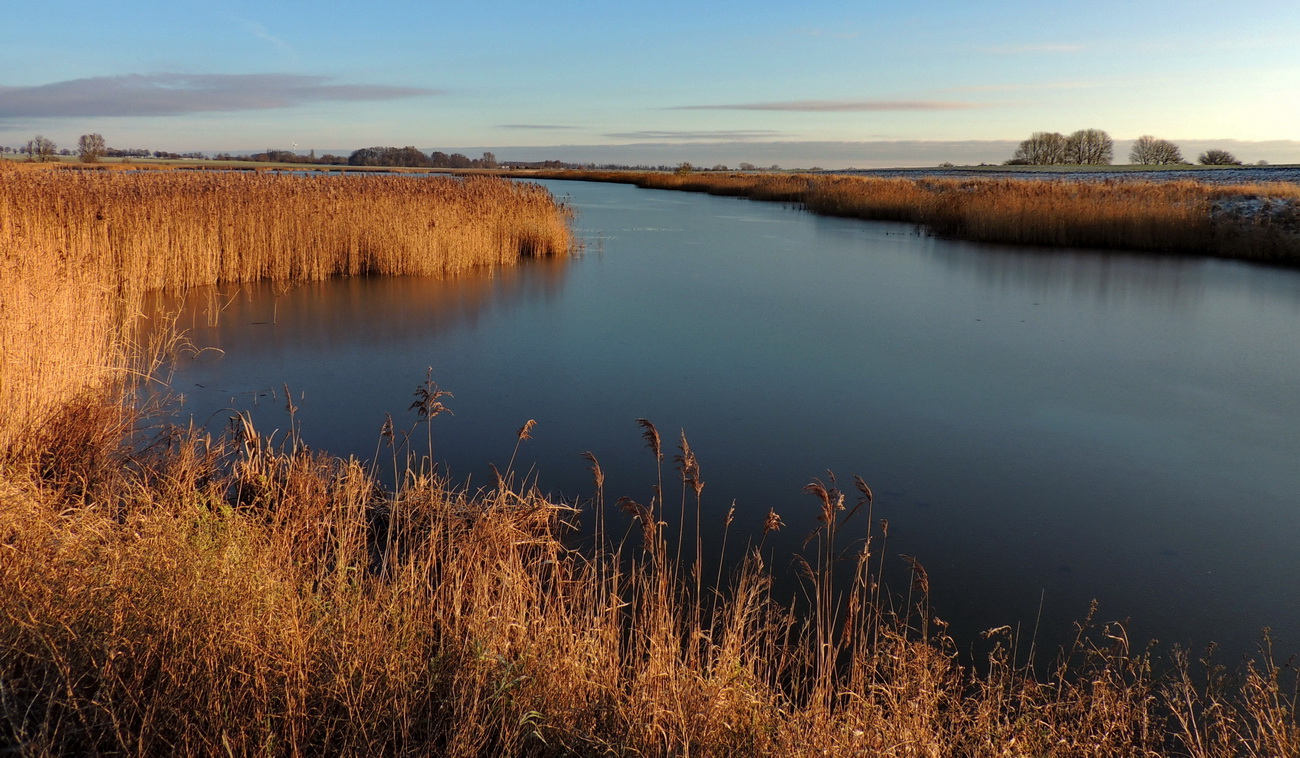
(1040, 427)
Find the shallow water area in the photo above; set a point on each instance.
(1040, 427)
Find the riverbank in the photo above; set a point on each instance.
(1259, 222)
(179, 592)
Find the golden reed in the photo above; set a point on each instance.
(1250, 221)
(77, 249)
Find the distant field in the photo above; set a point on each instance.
(1207, 174)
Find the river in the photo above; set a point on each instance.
(1041, 427)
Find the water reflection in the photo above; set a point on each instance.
(392, 310)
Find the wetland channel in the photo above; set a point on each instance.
(1040, 427)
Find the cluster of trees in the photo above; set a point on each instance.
(1094, 147)
(39, 148)
(1148, 150)
(178, 156)
(90, 149)
(413, 158)
(1086, 147)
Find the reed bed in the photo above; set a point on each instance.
(177, 230)
(246, 596)
(1252, 221)
(79, 248)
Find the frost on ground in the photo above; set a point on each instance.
(1281, 213)
(1235, 175)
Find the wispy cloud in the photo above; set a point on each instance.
(261, 32)
(1036, 48)
(714, 135)
(172, 94)
(837, 106)
(535, 126)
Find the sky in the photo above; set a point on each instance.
(817, 83)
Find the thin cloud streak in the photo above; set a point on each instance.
(716, 135)
(261, 32)
(837, 106)
(171, 94)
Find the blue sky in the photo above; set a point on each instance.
(830, 83)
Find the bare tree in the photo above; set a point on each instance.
(91, 147)
(1089, 147)
(1218, 158)
(39, 148)
(1148, 150)
(1041, 149)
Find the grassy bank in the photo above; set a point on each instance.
(1255, 222)
(176, 592)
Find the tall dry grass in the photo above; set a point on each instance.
(236, 596)
(78, 249)
(181, 229)
(1251, 221)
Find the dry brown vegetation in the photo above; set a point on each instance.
(79, 248)
(1255, 221)
(239, 597)
(180, 593)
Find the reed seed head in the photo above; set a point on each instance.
(651, 436)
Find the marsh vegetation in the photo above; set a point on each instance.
(1256, 222)
(181, 591)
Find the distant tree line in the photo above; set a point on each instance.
(285, 156)
(92, 147)
(411, 157)
(1094, 147)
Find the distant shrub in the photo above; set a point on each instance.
(1218, 158)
